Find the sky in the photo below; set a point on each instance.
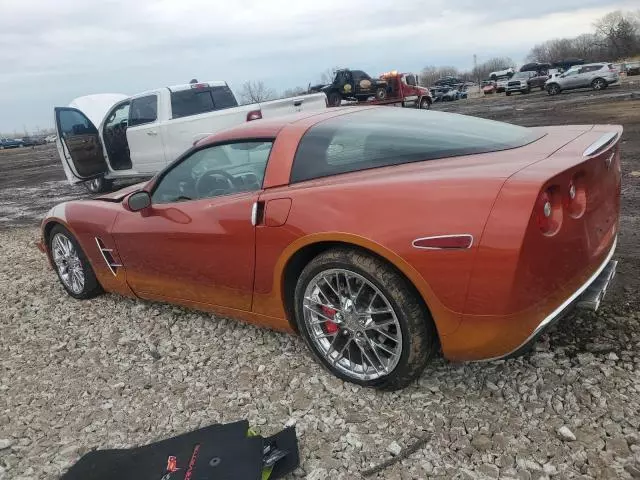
(55, 51)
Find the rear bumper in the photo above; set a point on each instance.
(588, 297)
(489, 337)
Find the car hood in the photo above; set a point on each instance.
(96, 107)
(119, 195)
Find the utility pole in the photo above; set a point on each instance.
(475, 68)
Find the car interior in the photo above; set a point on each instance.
(115, 137)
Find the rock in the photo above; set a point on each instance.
(618, 446)
(635, 173)
(481, 442)
(318, 474)
(394, 448)
(5, 443)
(632, 470)
(565, 434)
(489, 470)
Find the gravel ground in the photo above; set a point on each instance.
(115, 372)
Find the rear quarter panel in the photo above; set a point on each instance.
(384, 210)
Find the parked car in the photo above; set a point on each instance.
(488, 87)
(33, 141)
(595, 75)
(450, 94)
(10, 143)
(506, 73)
(448, 81)
(501, 84)
(271, 222)
(353, 85)
(524, 82)
(51, 138)
(632, 68)
(108, 136)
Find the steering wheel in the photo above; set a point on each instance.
(214, 182)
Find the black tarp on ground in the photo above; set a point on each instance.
(214, 452)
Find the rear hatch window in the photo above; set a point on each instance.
(194, 101)
(391, 136)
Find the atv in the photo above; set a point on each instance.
(353, 85)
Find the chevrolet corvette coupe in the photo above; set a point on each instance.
(382, 235)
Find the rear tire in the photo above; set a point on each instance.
(381, 93)
(98, 185)
(553, 89)
(71, 265)
(346, 339)
(599, 84)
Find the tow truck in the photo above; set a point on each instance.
(391, 88)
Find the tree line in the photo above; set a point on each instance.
(616, 36)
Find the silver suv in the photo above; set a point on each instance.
(595, 75)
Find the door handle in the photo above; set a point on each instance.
(153, 133)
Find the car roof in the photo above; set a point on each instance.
(269, 128)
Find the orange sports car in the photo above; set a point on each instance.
(379, 234)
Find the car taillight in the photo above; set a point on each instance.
(576, 196)
(548, 211)
(254, 115)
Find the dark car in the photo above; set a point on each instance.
(447, 82)
(10, 143)
(632, 69)
(353, 85)
(33, 141)
(524, 82)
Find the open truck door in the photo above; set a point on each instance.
(79, 140)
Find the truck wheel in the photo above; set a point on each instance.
(425, 103)
(334, 99)
(381, 93)
(98, 185)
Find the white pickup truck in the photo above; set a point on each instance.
(110, 136)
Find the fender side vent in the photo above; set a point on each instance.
(108, 257)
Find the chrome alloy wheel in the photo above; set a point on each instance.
(68, 263)
(352, 324)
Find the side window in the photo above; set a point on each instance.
(215, 171)
(143, 110)
(118, 117)
(73, 122)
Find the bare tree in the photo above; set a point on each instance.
(253, 92)
(328, 74)
(293, 92)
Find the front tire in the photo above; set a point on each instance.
(71, 265)
(362, 320)
(335, 99)
(98, 185)
(425, 103)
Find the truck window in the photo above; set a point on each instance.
(143, 110)
(411, 80)
(201, 100)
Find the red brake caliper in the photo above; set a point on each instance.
(331, 327)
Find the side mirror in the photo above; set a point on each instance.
(139, 201)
